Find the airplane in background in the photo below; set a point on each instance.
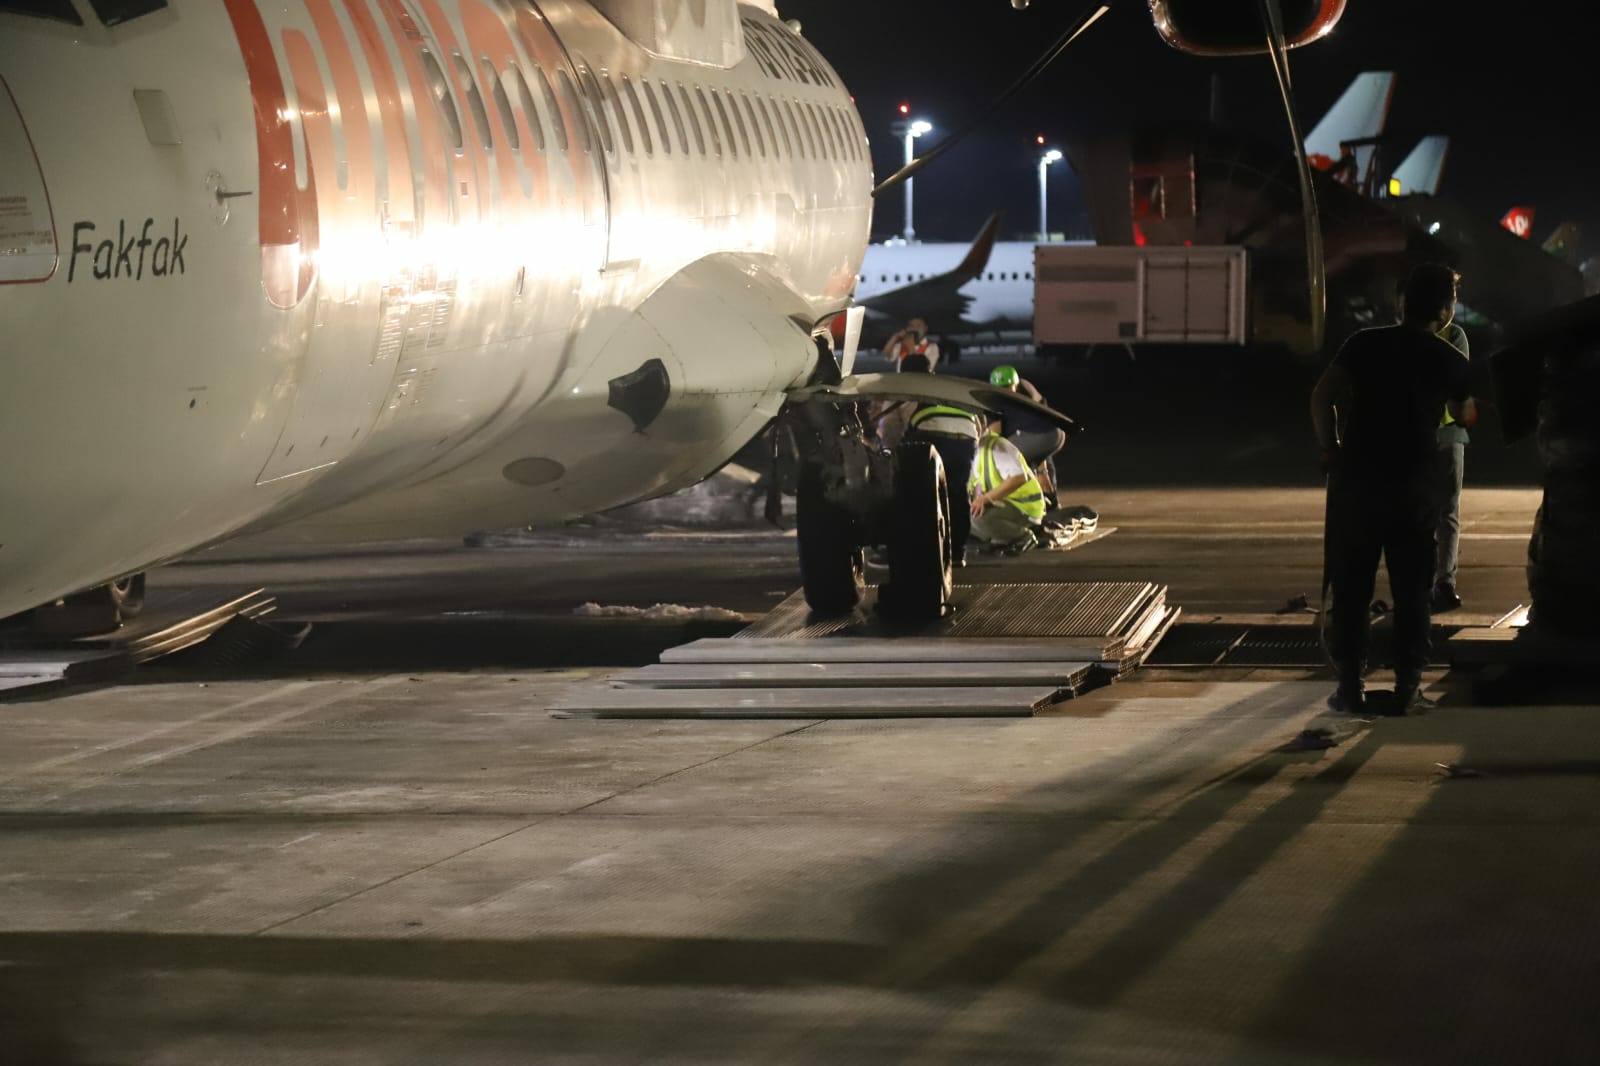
(1422, 170)
(981, 290)
(1344, 136)
(985, 290)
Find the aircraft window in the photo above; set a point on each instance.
(711, 122)
(694, 120)
(638, 115)
(851, 149)
(755, 125)
(614, 103)
(738, 121)
(830, 126)
(440, 87)
(529, 108)
(727, 127)
(502, 104)
(480, 116)
(829, 150)
(802, 136)
(772, 131)
(60, 10)
(557, 123)
(677, 117)
(597, 110)
(661, 120)
(570, 93)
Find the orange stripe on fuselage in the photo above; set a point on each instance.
(487, 36)
(401, 195)
(286, 218)
(544, 49)
(446, 37)
(361, 188)
(435, 176)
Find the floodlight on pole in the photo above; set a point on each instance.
(1049, 157)
(911, 129)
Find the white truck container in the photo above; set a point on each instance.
(1130, 295)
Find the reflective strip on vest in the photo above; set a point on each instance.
(1027, 497)
(937, 418)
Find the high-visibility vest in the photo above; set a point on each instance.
(1027, 497)
(939, 418)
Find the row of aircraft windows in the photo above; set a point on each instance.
(991, 276)
(721, 121)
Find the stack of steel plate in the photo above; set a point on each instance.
(1003, 650)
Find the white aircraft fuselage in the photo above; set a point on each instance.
(355, 269)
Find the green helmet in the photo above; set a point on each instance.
(1004, 377)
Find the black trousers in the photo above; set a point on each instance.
(957, 454)
(1373, 516)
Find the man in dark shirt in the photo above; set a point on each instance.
(1376, 412)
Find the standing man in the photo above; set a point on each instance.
(1452, 440)
(954, 435)
(1452, 445)
(913, 340)
(1376, 414)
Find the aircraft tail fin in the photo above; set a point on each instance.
(977, 256)
(1424, 167)
(1563, 243)
(1357, 115)
(1519, 220)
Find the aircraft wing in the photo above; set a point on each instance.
(937, 299)
(967, 393)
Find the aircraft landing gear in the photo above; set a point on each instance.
(97, 610)
(853, 494)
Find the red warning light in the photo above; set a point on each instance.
(905, 109)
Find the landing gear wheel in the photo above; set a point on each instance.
(832, 567)
(920, 576)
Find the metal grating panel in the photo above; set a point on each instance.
(1074, 609)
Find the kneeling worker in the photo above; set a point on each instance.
(954, 435)
(1007, 499)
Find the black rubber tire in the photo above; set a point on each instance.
(920, 576)
(127, 595)
(832, 564)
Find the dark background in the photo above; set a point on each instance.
(1510, 84)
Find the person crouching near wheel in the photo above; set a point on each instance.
(1007, 500)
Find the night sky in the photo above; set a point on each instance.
(1514, 93)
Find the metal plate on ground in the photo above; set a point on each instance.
(903, 650)
(1066, 675)
(605, 701)
(1068, 609)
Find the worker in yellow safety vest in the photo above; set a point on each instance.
(1007, 499)
(953, 433)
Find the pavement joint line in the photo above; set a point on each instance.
(541, 820)
(170, 727)
(357, 689)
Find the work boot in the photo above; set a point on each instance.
(1409, 702)
(1445, 598)
(1349, 698)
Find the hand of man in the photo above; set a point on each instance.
(979, 505)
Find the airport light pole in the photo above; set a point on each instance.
(910, 130)
(1052, 156)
